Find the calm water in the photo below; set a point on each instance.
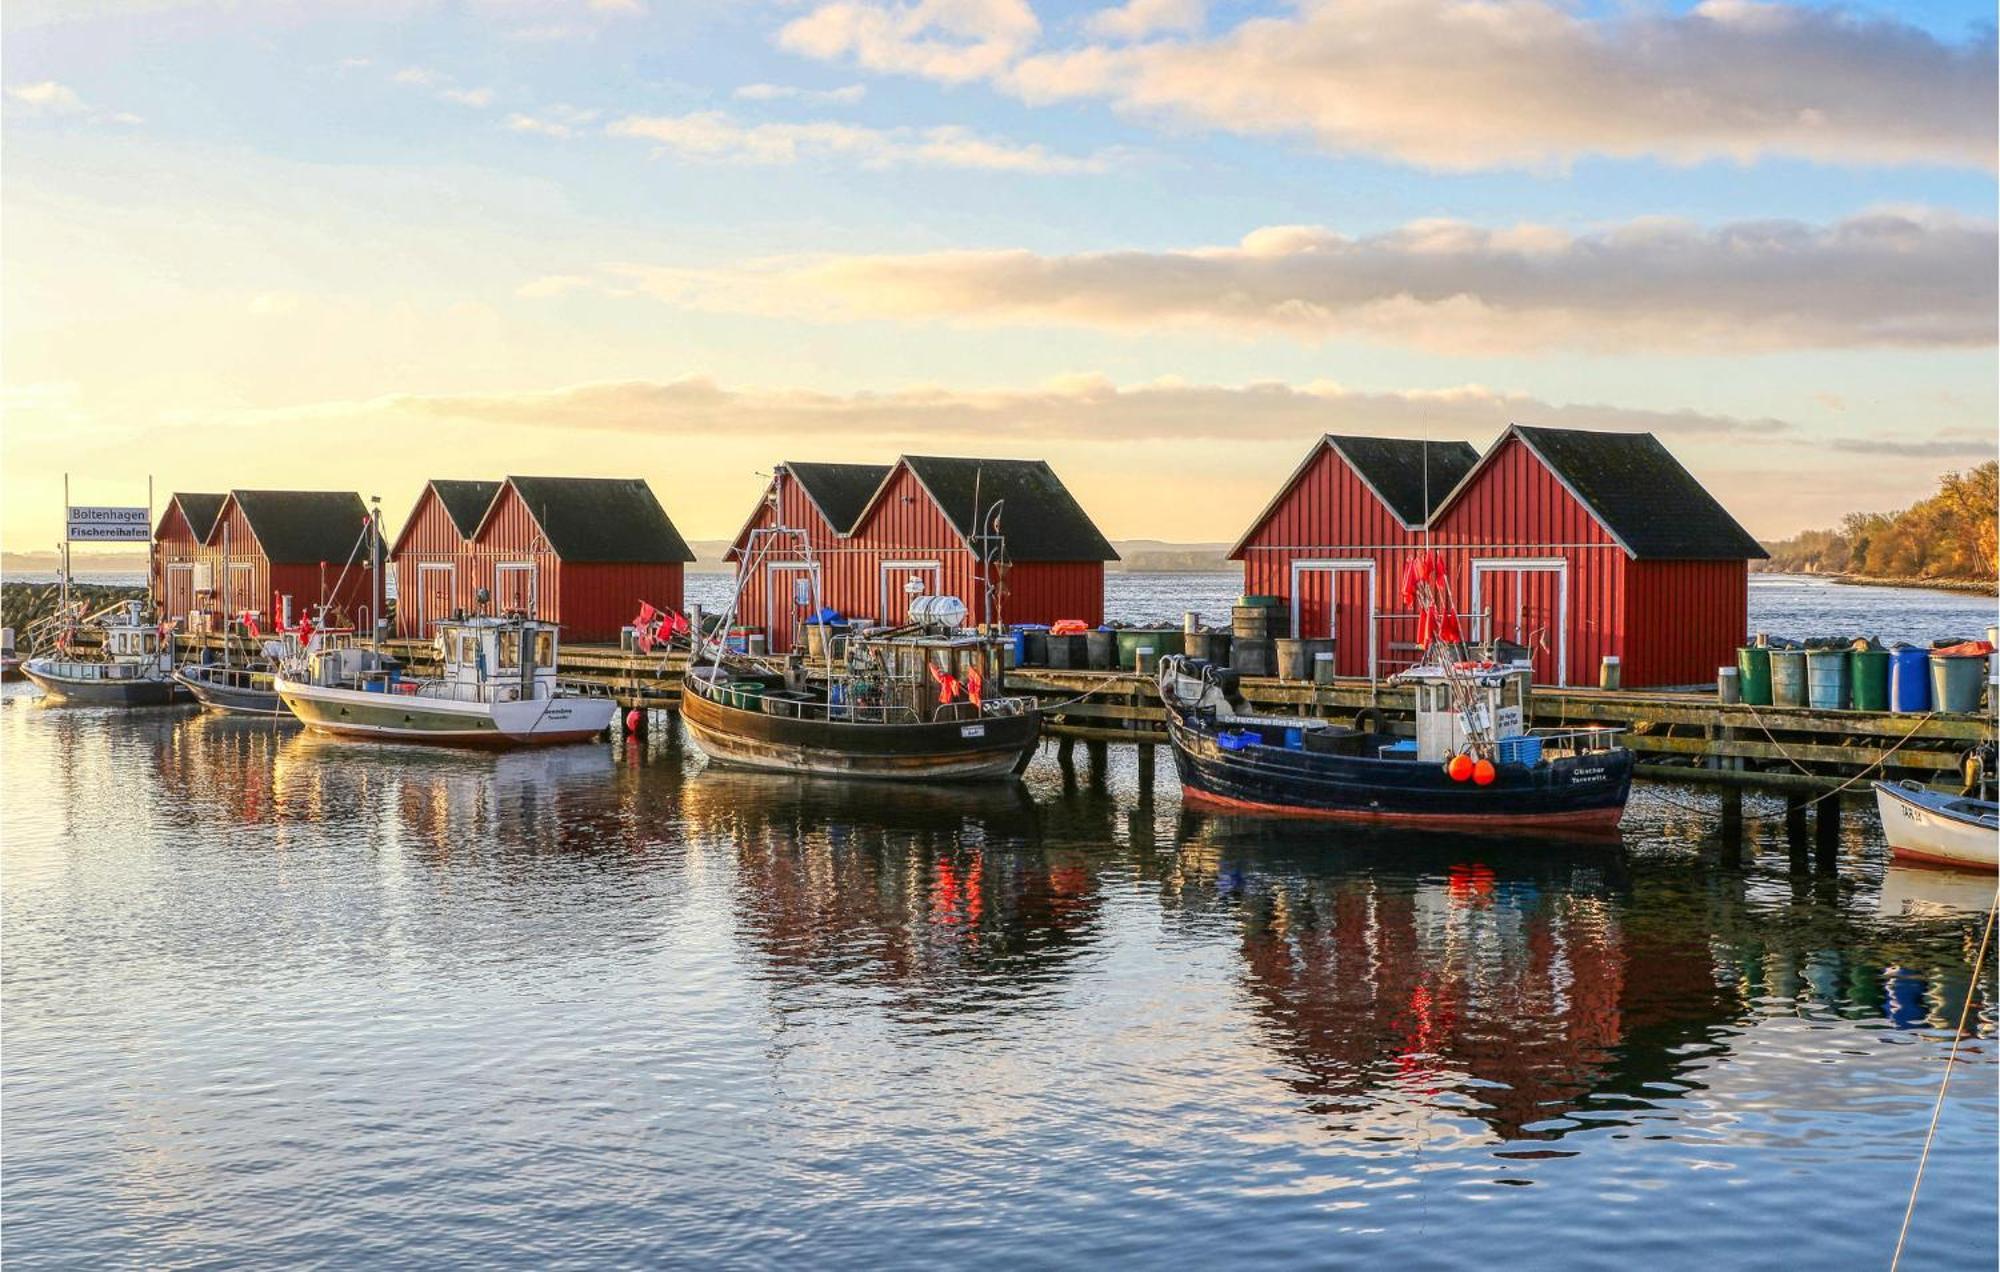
(271, 999)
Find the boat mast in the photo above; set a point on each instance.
(374, 531)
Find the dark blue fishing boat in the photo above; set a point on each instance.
(1575, 780)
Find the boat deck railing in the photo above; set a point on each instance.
(848, 712)
(93, 669)
(1582, 741)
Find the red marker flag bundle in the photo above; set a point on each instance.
(948, 686)
(975, 685)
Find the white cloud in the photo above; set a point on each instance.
(478, 98)
(950, 40)
(418, 76)
(1469, 84)
(1080, 406)
(714, 135)
(844, 96)
(1137, 19)
(48, 99)
(1908, 279)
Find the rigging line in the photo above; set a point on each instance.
(1951, 1062)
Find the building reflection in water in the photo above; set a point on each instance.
(951, 900)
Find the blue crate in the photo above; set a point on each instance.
(1526, 749)
(1404, 750)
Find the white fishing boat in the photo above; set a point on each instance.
(130, 665)
(1950, 830)
(497, 687)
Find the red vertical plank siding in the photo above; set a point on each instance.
(589, 600)
(175, 544)
(1050, 591)
(430, 538)
(1688, 618)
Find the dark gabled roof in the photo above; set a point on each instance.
(465, 502)
(839, 491)
(304, 527)
(199, 511)
(1638, 492)
(1395, 469)
(1041, 520)
(601, 519)
(1392, 467)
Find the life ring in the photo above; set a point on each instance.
(1368, 720)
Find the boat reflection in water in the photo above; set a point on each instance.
(950, 898)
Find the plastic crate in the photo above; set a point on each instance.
(1526, 749)
(1404, 750)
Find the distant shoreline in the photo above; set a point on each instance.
(1972, 587)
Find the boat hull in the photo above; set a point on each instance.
(1582, 794)
(231, 699)
(397, 717)
(104, 693)
(958, 750)
(1922, 829)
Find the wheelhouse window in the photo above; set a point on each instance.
(510, 650)
(545, 648)
(468, 648)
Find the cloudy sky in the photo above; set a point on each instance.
(1163, 243)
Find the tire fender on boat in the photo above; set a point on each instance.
(1368, 720)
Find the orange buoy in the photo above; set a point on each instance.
(1484, 772)
(633, 720)
(1460, 767)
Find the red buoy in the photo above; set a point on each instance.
(1484, 773)
(1460, 767)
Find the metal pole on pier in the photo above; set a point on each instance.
(150, 546)
(65, 549)
(226, 609)
(375, 570)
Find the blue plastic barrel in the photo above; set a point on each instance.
(1826, 679)
(1295, 739)
(1909, 679)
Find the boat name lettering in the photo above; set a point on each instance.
(972, 731)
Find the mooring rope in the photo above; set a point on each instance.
(1951, 1063)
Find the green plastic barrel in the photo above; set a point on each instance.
(1161, 640)
(1868, 672)
(1788, 677)
(1753, 667)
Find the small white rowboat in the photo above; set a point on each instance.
(1952, 830)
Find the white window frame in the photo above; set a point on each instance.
(1559, 566)
(1334, 565)
(777, 600)
(937, 581)
(425, 620)
(534, 584)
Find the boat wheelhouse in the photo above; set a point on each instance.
(131, 666)
(497, 686)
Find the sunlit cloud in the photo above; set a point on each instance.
(1910, 279)
(716, 136)
(50, 100)
(847, 95)
(1469, 84)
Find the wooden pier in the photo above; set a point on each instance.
(1678, 736)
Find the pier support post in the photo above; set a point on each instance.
(1147, 754)
(1100, 759)
(1826, 834)
(1732, 826)
(1795, 830)
(1066, 754)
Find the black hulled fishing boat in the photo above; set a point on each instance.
(905, 703)
(1472, 765)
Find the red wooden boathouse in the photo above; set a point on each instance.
(1573, 543)
(436, 568)
(1333, 540)
(184, 571)
(305, 545)
(1003, 535)
(581, 552)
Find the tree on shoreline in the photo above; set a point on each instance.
(1950, 535)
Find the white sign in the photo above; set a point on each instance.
(110, 525)
(388, 580)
